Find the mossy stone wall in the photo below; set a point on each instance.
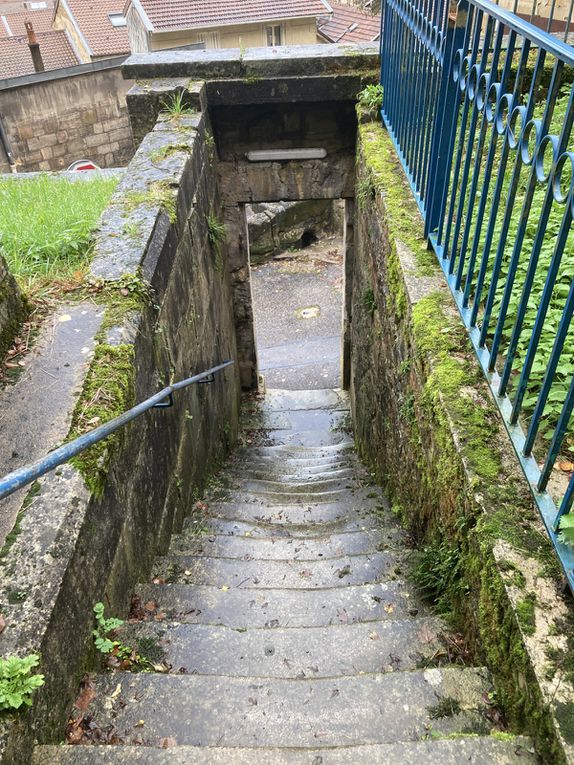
(11, 307)
(425, 423)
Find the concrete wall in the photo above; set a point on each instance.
(96, 527)
(11, 307)
(50, 120)
(427, 426)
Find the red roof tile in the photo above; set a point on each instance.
(198, 14)
(92, 19)
(348, 24)
(16, 60)
(13, 23)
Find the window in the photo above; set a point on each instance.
(117, 19)
(274, 35)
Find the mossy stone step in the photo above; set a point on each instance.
(295, 652)
(286, 548)
(288, 574)
(475, 750)
(202, 710)
(242, 608)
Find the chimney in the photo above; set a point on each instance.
(34, 47)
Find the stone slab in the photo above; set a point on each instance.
(265, 528)
(36, 412)
(297, 653)
(264, 574)
(228, 711)
(281, 548)
(478, 751)
(283, 608)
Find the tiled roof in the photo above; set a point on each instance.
(92, 19)
(197, 14)
(16, 60)
(13, 23)
(347, 24)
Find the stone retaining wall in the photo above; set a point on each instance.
(425, 423)
(11, 307)
(52, 120)
(92, 529)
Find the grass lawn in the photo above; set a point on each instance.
(46, 226)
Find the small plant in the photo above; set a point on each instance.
(104, 627)
(16, 683)
(446, 707)
(371, 99)
(216, 232)
(176, 105)
(369, 302)
(365, 189)
(118, 655)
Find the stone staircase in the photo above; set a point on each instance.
(285, 626)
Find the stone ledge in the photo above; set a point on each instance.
(426, 423)
(283, 61)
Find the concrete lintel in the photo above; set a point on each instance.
(233, 63)
(268, 90)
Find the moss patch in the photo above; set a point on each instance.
(160, 193)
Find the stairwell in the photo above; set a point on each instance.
(289, 627)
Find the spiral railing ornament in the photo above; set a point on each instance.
(480, 106)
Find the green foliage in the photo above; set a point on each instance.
(104, 627)
(371, 99)
(177, 105)
(567, 529)
(216, 232)
(446, 707)
(47, 223)
(438, 574)
(16, 682)
(369, 302)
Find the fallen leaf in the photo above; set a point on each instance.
(225, 588)
(567, 467)
(166, 743)
(374, 636)
(389, 608)
(139, 724)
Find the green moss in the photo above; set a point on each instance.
(108, 392)
(565, 715)
(159, 193)
(526, 613)
(369, 302)
(33, 492)
(168, 151)
(387, 178)
(446, 707)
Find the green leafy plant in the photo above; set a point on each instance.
(16, 681)
(104, 627)
(216, 232)
(371, 99)
(369, 301)
(176, 104)
(118, 655)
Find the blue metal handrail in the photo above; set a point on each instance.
(491, 166)
(25, 475)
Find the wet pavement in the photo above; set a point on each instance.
(298, 317)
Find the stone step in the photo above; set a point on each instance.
(286, 548)
(343, 449)
(241, 608)
(353, 496)
(275, 574)
(281, 460)
(203, 710)
(279, 400)
(475, 750)
(296, 485)
(297, 653)
(274, 528)
(296, 513)
(294, 437)
(280, 474)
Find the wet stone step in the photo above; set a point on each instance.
(298, 575)
(298, 653)
(253, 712)
(290, 475)
(286, 548)
(282, 451)
(285, 463)
(293, 437)
(269, 528)
(354, 497)
(297, 486)
(471, 750)
(241, 608)
(297, 514)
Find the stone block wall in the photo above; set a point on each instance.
(426, 424)
(96, 526)
(11, 307)
(51, 121)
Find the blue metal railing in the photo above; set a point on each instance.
(26, 475)
(480, 106)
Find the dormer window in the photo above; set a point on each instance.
(117, 19)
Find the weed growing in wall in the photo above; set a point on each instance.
(17, 683)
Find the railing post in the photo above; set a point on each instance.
(444, 130)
